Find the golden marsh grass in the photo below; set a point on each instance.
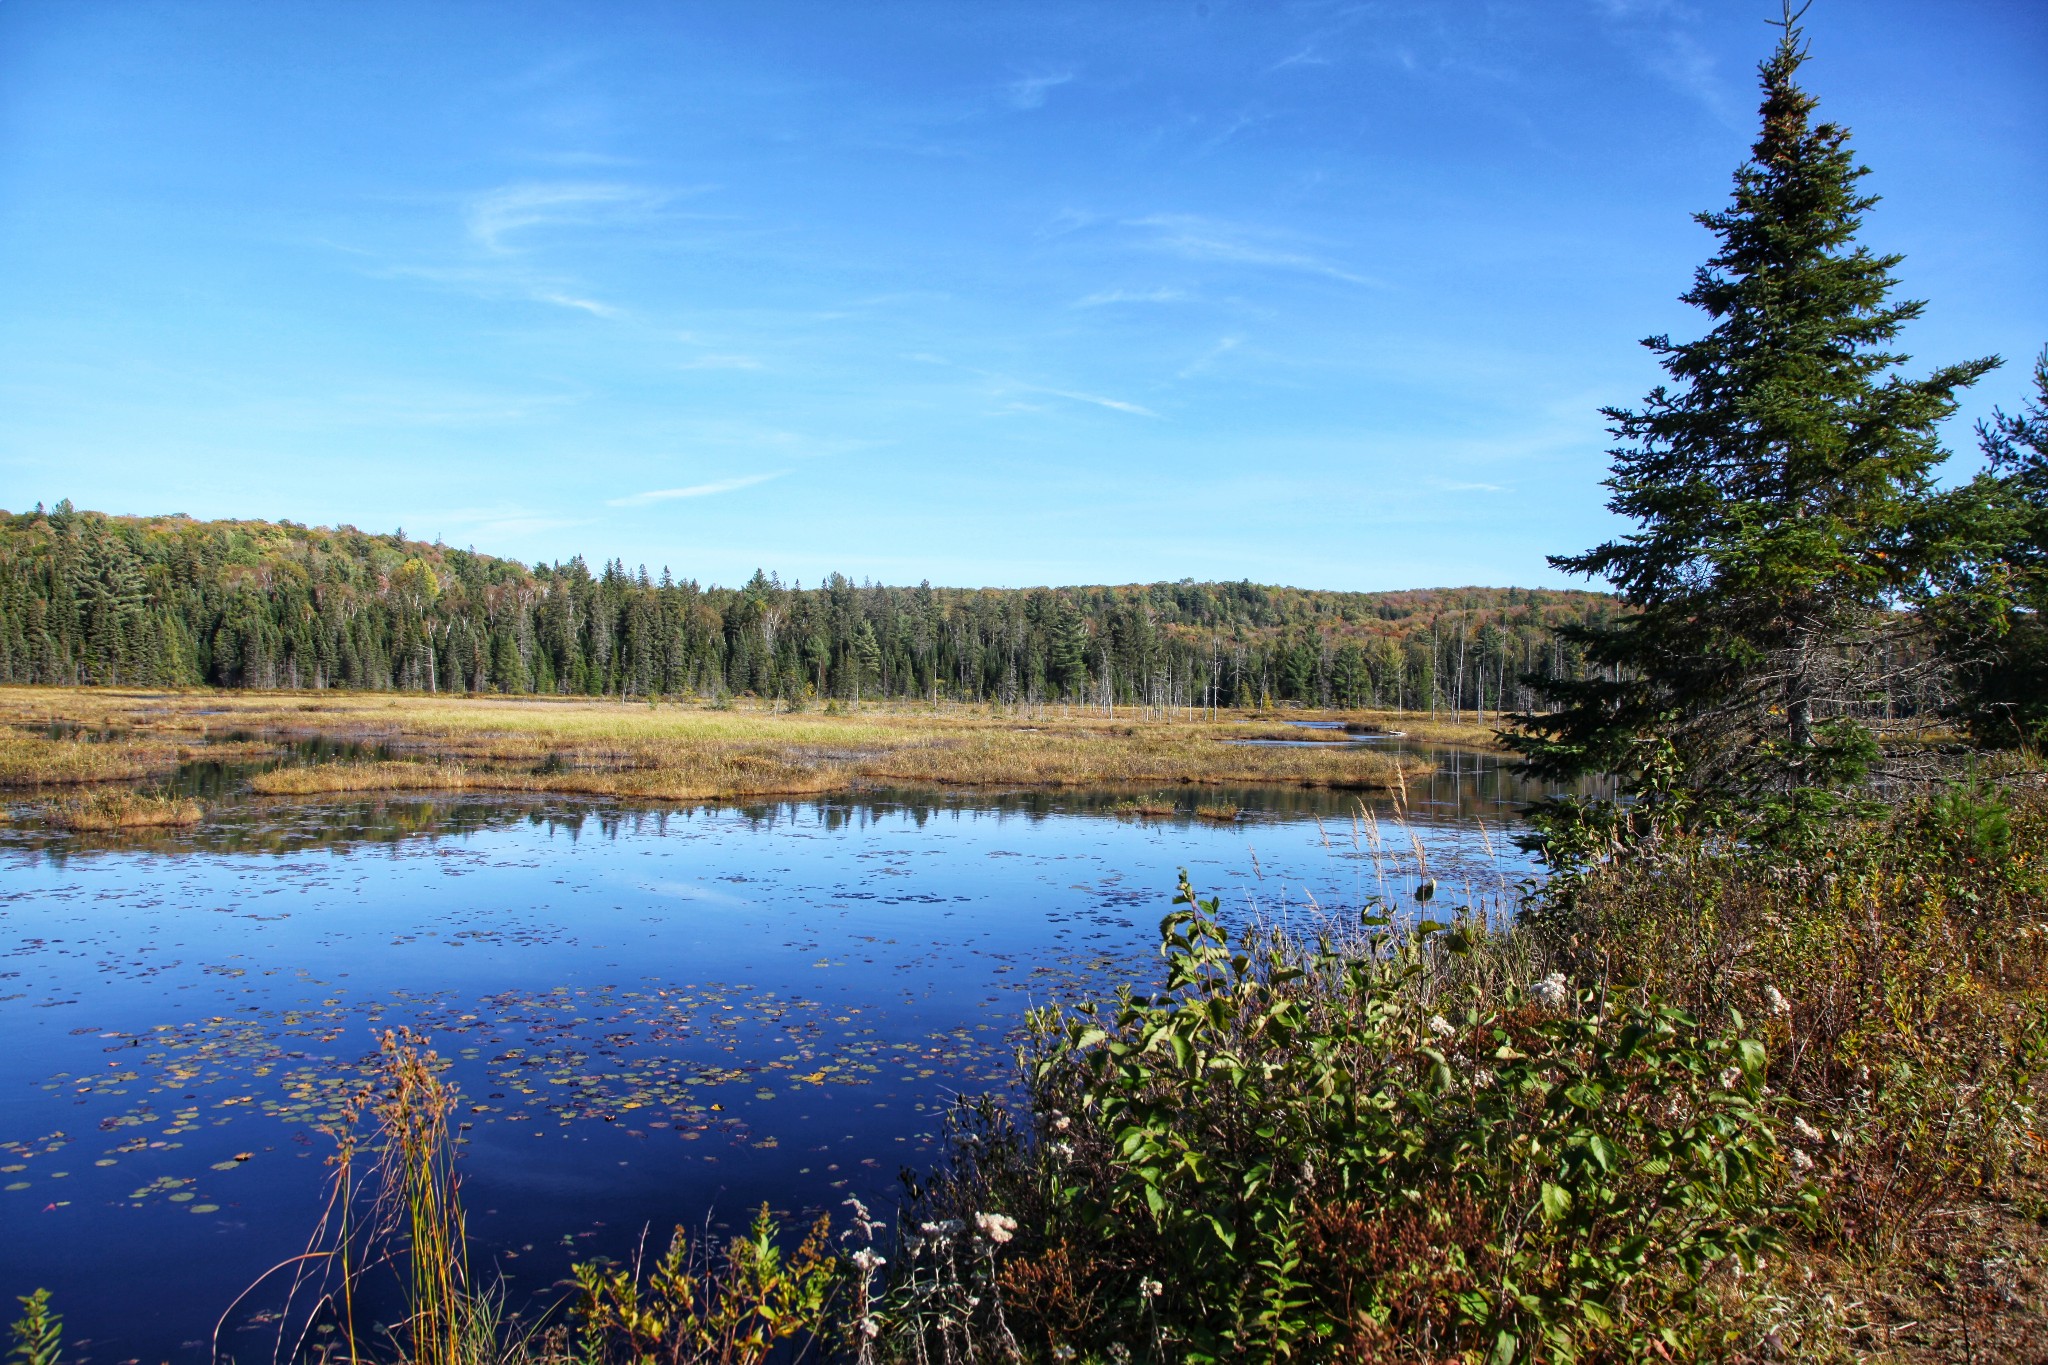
(33, 760)
(669, 752)
(103, 810)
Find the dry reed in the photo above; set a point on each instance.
(631, 750)
(98, 811)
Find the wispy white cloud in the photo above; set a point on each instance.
(721, 362)
(1447, 487)
(1075, 396)
(591, 306)
(398, 405)
(500, 264)
(1631, 9)
(1068, 220)
(488, 524)
(1010, 383)
(1243, 119)
(1650, 30)
(1224, 346)
(1109, 296)
(1196, 238)
(699, 490)
(1029, 92)
(505, 281)
(1306, 56)
(495, 215)
(574, 158)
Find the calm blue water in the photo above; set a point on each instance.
(654, 1016)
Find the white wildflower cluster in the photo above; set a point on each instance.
(1060, 1122)
(864, 1224)
(1150, 1289)
(1063, 1150)
(866, 1261)
(1776, 1003)
(997, 1227)
(1441, 1027)
(1551, 992)
(938, 1234)
(1804, 1132)
(1731, 1077)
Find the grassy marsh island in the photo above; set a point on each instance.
(663, 751)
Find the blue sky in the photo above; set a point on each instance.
(980, 293)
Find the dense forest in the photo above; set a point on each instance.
(170, 601)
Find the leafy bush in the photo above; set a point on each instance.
(686, 1309)
(38, 1333)
(1898, 962)
(1355, 1153)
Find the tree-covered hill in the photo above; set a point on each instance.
(167, 600)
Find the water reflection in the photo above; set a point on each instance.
(1456, 785)
(651, 1011)
(211, 779)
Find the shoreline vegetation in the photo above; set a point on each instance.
(295, 744)
(1704, 1098)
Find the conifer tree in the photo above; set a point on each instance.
(1779, 486)
(1994, 609)
(1070, 652)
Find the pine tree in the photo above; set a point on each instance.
(1994, 610)
(1070, 652)
(1779, 485)
(867, 660)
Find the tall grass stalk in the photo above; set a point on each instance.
(419, 1184)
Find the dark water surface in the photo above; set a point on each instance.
(654, 1016)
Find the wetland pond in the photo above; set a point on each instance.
(654, 1016)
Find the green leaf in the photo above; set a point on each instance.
(1557, 1201)
(1604, 1152)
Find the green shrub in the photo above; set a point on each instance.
(687, 1309)
(1898, 963)
(1291, 1155)
(38, 1333)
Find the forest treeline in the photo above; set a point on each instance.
(87, 598)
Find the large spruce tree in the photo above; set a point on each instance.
(1777, 484)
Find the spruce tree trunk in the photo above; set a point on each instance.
(1799, 698)
(1801, 715)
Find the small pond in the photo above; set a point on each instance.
(655, 1016)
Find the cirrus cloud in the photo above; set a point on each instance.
(696, 490)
